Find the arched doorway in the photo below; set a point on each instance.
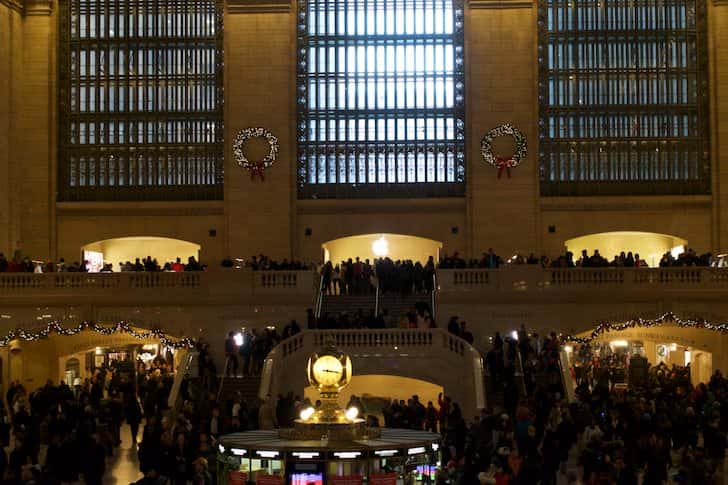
(667, 344)
(373, 246)
(649, 245)
(122, 249)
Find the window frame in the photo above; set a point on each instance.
(189, 167)
(344, 149)
(682, 164)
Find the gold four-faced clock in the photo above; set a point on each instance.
(329, 371)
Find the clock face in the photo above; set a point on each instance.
(328, 370)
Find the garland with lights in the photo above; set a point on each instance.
(120, 327)
(669, 317)
(501, 163)
(258, 167)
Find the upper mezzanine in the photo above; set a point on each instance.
(455, 285)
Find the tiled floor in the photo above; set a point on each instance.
(123, 467)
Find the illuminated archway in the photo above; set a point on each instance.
(668, 338)
(649, 245)
(373, 246)
(377, 389)
(122, 249)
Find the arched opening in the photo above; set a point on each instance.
(649, 245)
(118, 251)
(73, 353)
(667, 344)
(377, 391)
(374, 246)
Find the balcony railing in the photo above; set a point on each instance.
(544, 279)
(220, 283)
(235, 286)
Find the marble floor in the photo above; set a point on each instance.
(123, 467)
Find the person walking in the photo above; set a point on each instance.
(133, 415)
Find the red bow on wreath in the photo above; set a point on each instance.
(257, 169)
(503, 164)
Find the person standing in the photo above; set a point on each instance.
(231, 355)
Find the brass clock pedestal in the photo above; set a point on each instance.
(328, 441)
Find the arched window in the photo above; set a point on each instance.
(623, 97)
(381, 103)
(141, 112)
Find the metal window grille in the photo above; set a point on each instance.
(623, 97)
(141, 100)
(381, 98)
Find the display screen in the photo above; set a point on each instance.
(425, 471)
(307, 479)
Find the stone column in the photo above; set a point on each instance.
(502, 87)
(260, 57)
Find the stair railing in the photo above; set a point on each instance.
(183, 372)
(520, 374)
(319, 298)
(376, 298)
(433, 297)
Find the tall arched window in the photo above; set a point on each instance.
(140, 100)
(623, 97)
(380, 98)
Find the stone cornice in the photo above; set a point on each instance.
(16, 5)
(258, 6)
(38, 7)
(30, 7)
(473, 4)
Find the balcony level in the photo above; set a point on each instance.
(570, 298)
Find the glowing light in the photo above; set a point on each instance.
(238, 452)
(619, 343)
(99, 351)
(347, 454)
(435, 446)
(514, 334)
(385, 452)
(307, 413)
(673, 347)
(688, 357)
(303, 454)
(221, 448)
(380, 247)
(568, 349)
(238, 339)
(352, 413)
(416, 451)
(267, 454)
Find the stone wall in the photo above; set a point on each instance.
(265, 216)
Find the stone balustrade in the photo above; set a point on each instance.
(522, 278)
(132, 285)
(237, 285)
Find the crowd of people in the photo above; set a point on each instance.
(23, 264)
(419, 316)
(62, 433)
(625, 259)
(262, 262)
(246, 351)
(608, 436)
(357, 276)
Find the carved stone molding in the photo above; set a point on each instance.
(504, 3)
(16, 5)
(258, 6)
(38, 7)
